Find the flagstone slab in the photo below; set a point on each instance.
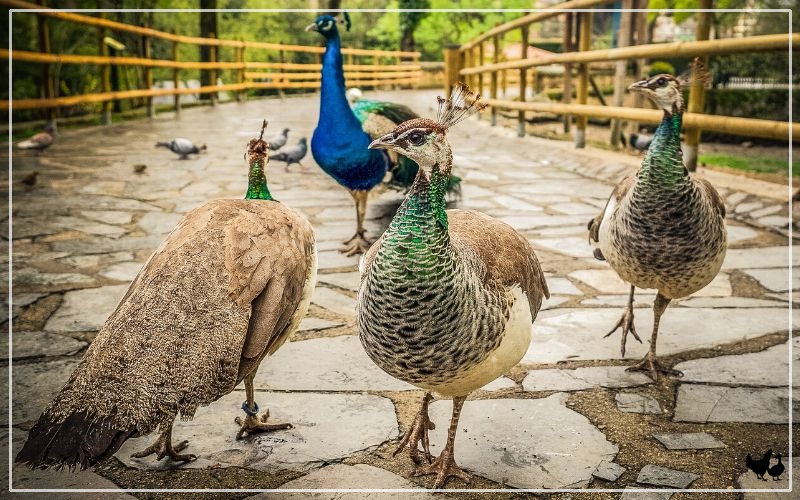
(122, 271)
(579, 379)
(525, 443)
(35, 384)
(662, 476)
(775, 280)
(607, 281)
(310, 323)
(348, 281)
(335, 302)
(574, 334)
(316, 437)
(85, 310)
(608, 471)
(339, 364)
(628, 402)
(689, 441)
(760, 257)
(343, 476)
(159, 222)
(713, 403)
(36, 344)
(769, 367)
(574, 246)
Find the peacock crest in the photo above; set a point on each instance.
(696, 74)
(463, 102)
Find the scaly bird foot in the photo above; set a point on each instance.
(163, 448)
(651, 364)
(444, 467)
(253, 424)
(626, 323)
(355, 246)
(418, 433)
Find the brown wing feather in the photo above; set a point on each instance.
(508, 256)
(619, 192)
(713, 196)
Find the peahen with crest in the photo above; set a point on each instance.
(225, 290)
(447, 297)
(662, 227)
(340, 141)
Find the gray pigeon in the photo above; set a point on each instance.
(293, 154)
(641, 141)
(277, 141)
(182, 147)
(40, 141)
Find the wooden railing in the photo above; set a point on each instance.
(252, 65)
(468, 63)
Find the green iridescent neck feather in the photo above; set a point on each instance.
(663, 163)
(257, 183)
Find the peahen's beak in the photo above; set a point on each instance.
(312, 27)
(639, 86)
(384, 142)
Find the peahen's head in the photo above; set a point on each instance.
(326, 25)
(425, 140)
(664, 90)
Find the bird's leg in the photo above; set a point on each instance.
(163, 448)
(650, 362)
(418, 433)
(358, 243)
(445, 465)
(626, 323)
(253, 423)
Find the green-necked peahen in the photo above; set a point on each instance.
(340, 141)
(224, 290)
(662, 227)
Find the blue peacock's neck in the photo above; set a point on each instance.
(335, 112)
(663, 163)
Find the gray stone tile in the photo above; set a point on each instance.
(499, 384)
(35, 384)
(574, 246)
(758, 258)
(315, 439)
(348, 281)
(35, 344)
(768, 210)
(689, 441)
(730, 302)
(85, 310)
(662, 476)
(748, 207)
(108, 216)
(607, 281)
(562, 286)
(579, 379)
(160, 223)
(775, 221)
(569, 333)
(737, 234)
(743, 369)
(310, 323)
(776, 280)
(628, 402)
(608, 471)
(335, 302)
(340, 364)
(644, 495)
(528, 443)
(573, 208)
(122, 271)
(333, 259)
(710, 403)
(35, 279)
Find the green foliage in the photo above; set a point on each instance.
(752, 164)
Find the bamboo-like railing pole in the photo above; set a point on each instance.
(105, 76)
(620, 71)
(176, 79)
(148, 76)
(524, 35)
(452, 60)
(759, 43)
(584, 44)
(493, 84)
(723, 124)
(566, 95)
(46, 85)
(697, 90)
(481, 60)
(212, 73)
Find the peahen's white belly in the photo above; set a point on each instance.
(516, 339)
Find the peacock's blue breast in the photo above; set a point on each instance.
(347, 159)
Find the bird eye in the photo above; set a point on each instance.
(326, 25)
(661, 81)
(416, 138)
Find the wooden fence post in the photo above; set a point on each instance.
(566, 96)
(697, 91)
(241, 95)
(176, 79)
(105, 76)
(584, 44)
(522, 81)
(493, 84)
(46, 85)
(481, 59)
(148, 76)
(623, 37)
(452, 65)
(641, 39)
(282, 59)
(213, 55)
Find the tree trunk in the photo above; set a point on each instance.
(208, 28)
(407, 41)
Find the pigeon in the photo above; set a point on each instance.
(640, 141)
(140, 168)
(182, 147)
(40, 141)
(278, 141)
(293, 154)
(31, 178)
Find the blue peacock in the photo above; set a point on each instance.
(340, 141)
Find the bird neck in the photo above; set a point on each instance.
(257, 182)
(422, 218)
(663, 163)
(335, 112)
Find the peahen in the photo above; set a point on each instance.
(447, 297)
(225, 289)
(662, 227)
(342, 136)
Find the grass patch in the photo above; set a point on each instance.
(752, 164)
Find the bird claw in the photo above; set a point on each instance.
(418, 433)
(163, 448)
(444, 467)
(651, 364)
(255, 424)
(626, 323)
(355, 245)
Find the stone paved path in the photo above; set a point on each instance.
(568, 416)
